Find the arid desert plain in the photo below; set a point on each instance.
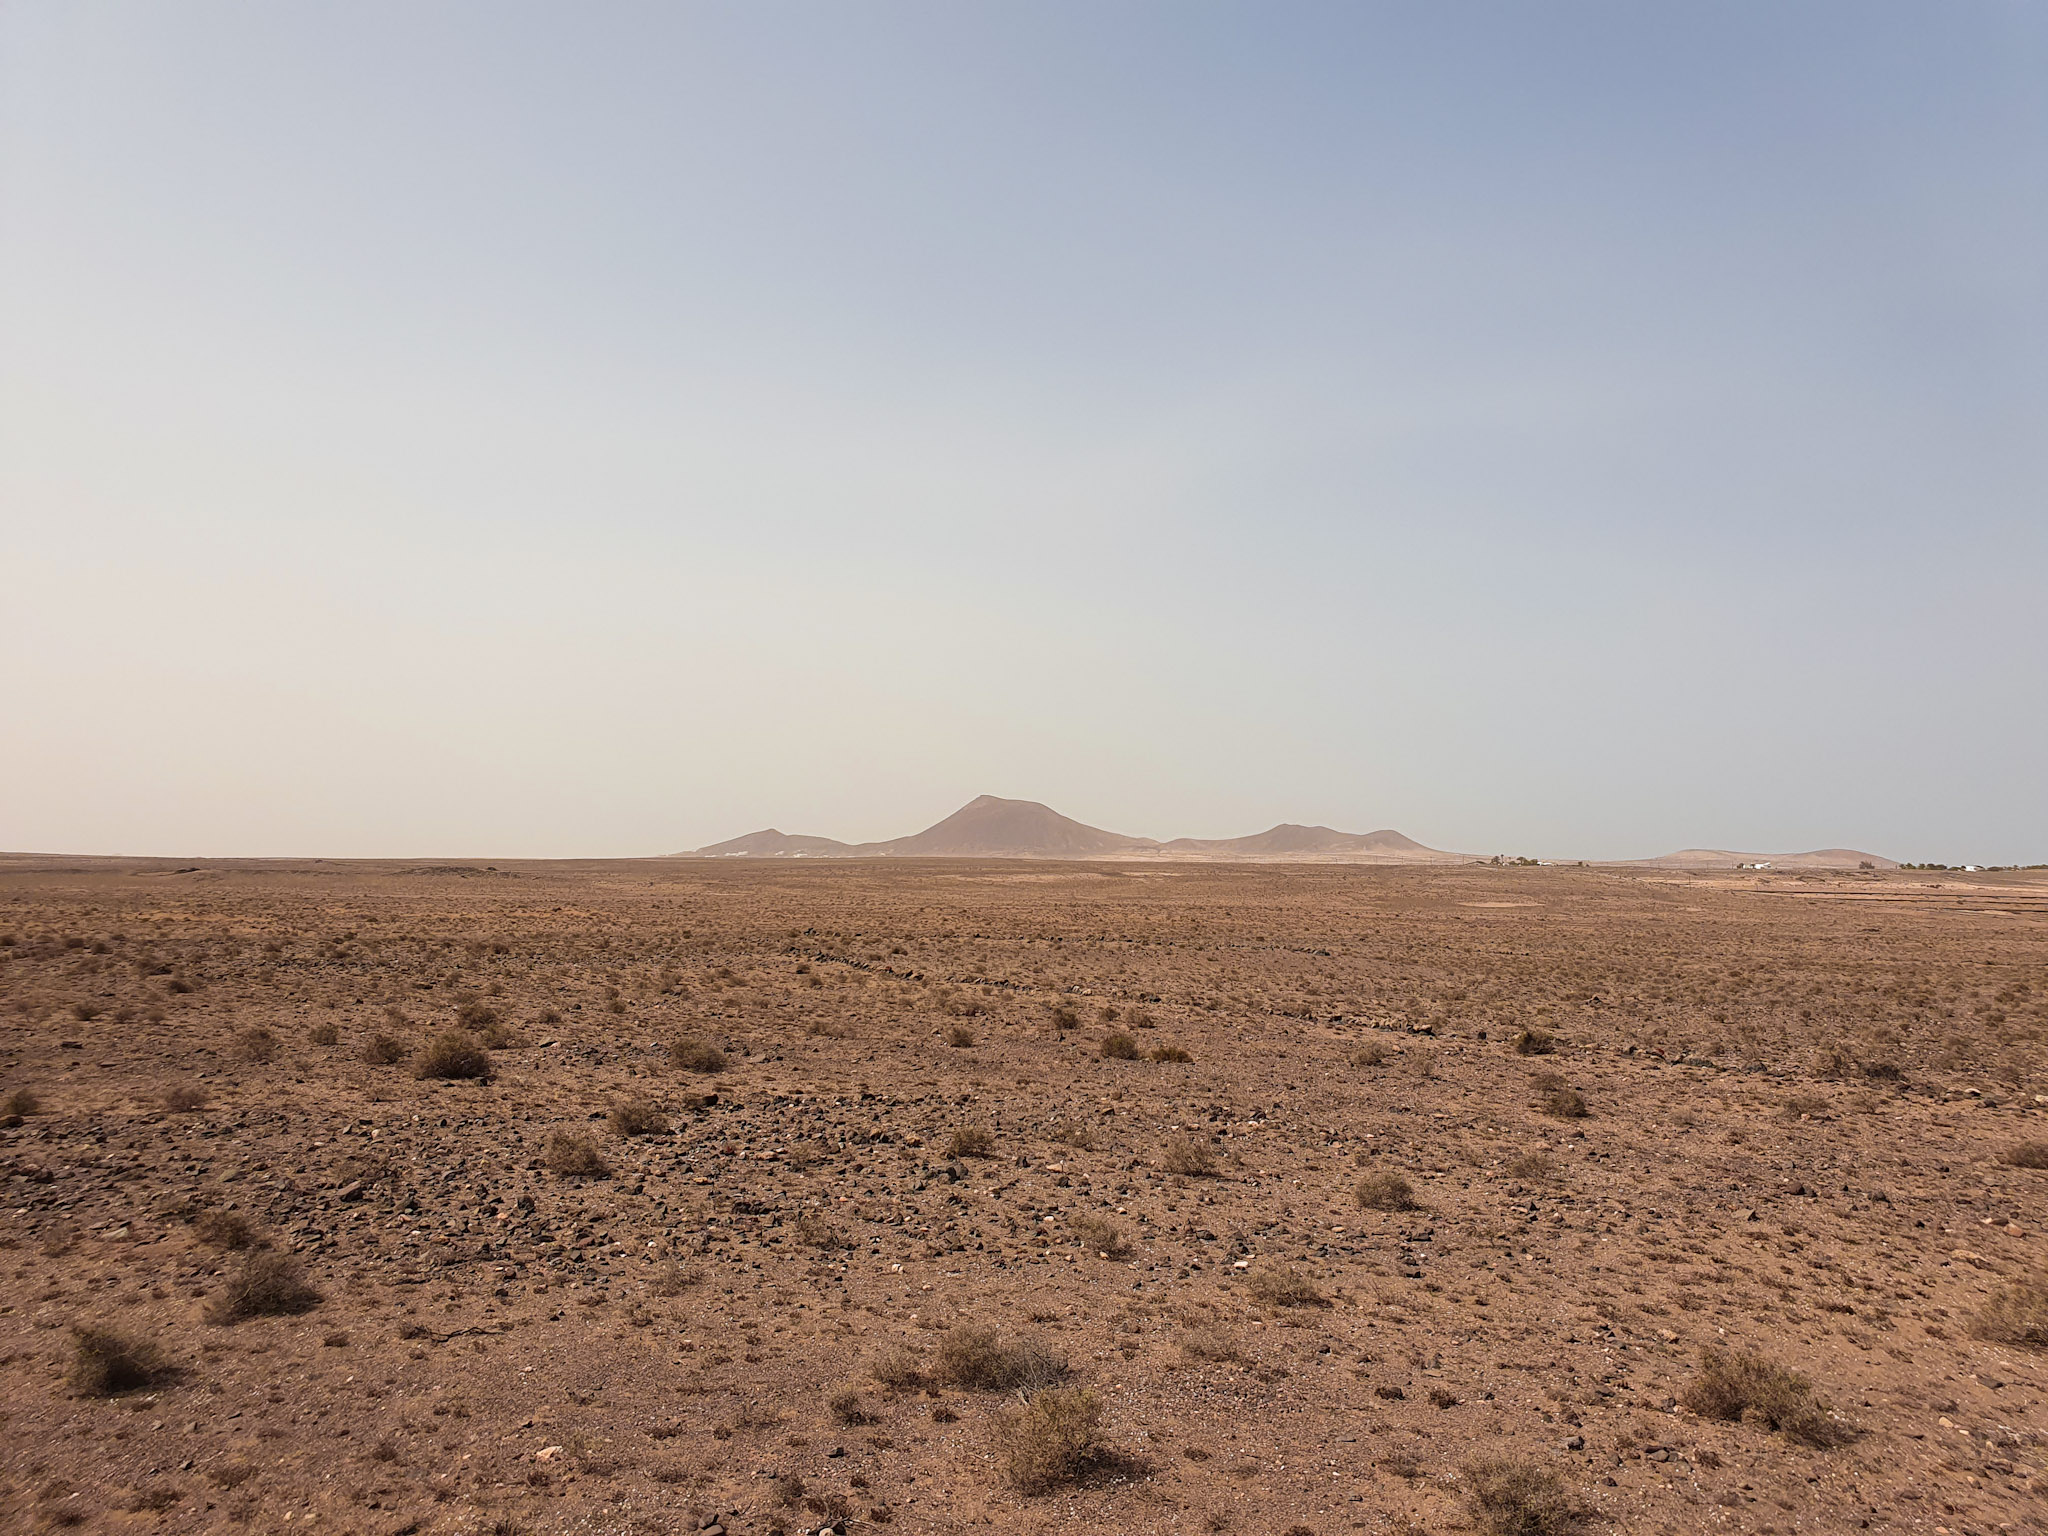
(931, 1195)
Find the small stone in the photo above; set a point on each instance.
(1575, 1443)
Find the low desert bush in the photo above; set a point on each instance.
(2026, 1154)
(385, 1050)
(636, 1117)
(1284, 1286)
(693, 1055)
(1100, 1235)
(1506, 1496)
(1532, 1165)
(574, 1155)
(981, 1360)
(256, 1044)
(1186, 1156)
(1385, 1191)
(324, 1034)
(1050, 1440)
(972, 1141)
(453, 1053)
(224, 1229)
(847, 1409)
(476, 1016)
(21, 1102)
(1535, 1042)
(1168, 1053)
(817, 1232)
(2014, 1314)
(1370, 1054)
(105, 1362)
(1749, 1389)
(1073, 1132)
(959, 1036)
(185, 1098)
(1119, 1047)
(1565, 1104)
(267, 1285)
(1210, 1343)
(900, 1370)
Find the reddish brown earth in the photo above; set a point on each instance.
(1800, 1091)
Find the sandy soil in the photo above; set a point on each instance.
(1800, 1096)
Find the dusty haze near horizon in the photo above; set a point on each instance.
(523, 431)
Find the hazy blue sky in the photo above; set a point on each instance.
(1575, 429)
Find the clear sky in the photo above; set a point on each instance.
(1570, 429)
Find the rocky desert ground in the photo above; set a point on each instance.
(670, 1195)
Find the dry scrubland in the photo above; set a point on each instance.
(672, 1196)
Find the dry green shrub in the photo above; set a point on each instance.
(847, 1409)
(1210, 1343)
(959, 1036)
(1119, 1046)
(1752, 1390)
(256, 1044)
(185, 1098)
(1535, 1166)
(972, 1141)
(693, 1055)
(267, 1285)
(900, 1370)
(2014, 1314)
(2026, 1154)
(324, 1034)
(224, 1229)
(1385, 1191)
(981, 1360)
(1186, 1156)
(1507, 1496)
(453, 1053)
(1168, 1053)
(574, 1155)
(817, 1232)
(1284, 1286)
(1071, 1131)
(1535, 1042)
(671, 1279)
(636, 1117)
(105, 1362)
(1051, 1440)
(1100, 1235)
(1370, 1054)
(1565, 1104)
(385, 1050)
(476, 1016)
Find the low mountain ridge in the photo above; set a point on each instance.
(771, 844)
(990, 827)
(1290, 840)
(1723, 858)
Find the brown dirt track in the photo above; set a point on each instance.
(1800, 1092)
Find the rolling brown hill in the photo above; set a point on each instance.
(771, 844)
(1292, 841)
(990, 827)
(1722, 858)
